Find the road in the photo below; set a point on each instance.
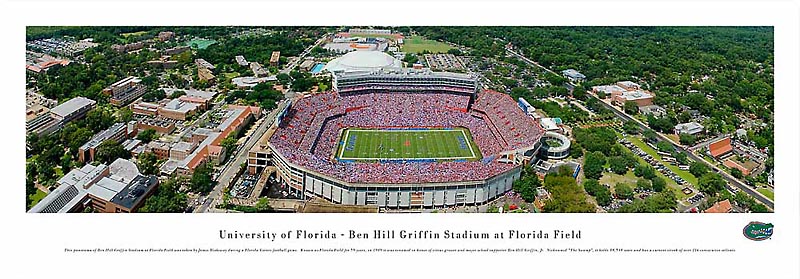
(732, 180)
(289, 67)
(232, 167)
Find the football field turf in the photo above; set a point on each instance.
(414, 144)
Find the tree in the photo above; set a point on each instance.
(283, 78)
(201, 179)
(110, 150)
(592, 186)
(229, 143)
(658, 184)
(645, 171)
(66, 163)
(166, 198)
(650, 135)
(99, 119)
(567, 196)
(147, 163)
(154, 95)
(643, 184)
(603, 196)
(263, 205)
(657, 203)
(575, 150)
(177, 94)
(737, 173)
(686, 139)
(630, 127)
(711, 184)
(46, 171)
(681, 157)
(147, 135)
(124, 115)
(410, 58)
(664, 146)
(623, 191)
(617, 165)
(631, 107)
(454, 51)
(526, 185)
(593, 165)
(698, 169)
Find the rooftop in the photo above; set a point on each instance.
(104, 135)
(126, 81)
(720, 147)
(180, 106)
(689, 128)
(720, 207)
(101, 181)
(71, 106)
(573, 73)
(363, 60)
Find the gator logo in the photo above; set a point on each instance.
(757, 231)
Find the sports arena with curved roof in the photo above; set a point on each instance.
(402, 138)
(362, 61)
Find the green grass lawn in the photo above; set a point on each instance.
(652, 152)
(417, 44)
(230, 75)
(35, 198)
(767, 192)
(201, 44)
(133, 34)
(376, 144)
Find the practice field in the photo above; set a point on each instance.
(200, 44)
(417, 44)
(407, 144)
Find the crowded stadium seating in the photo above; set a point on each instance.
(309, 134)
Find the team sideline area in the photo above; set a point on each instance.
(407, 144)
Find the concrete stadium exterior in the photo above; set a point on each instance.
(308, 183)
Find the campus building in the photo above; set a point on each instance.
(625, 91)
(720, 148)
(125, 90)
(59, 116)
(118, 132)
(573, 75)
(115, 188)
(691, 128)
(275, 58)
(204, 144)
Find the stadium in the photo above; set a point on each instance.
(401, 138)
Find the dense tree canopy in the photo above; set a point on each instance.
(167, 198)
(711, 183)
(567, 196)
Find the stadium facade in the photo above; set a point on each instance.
(301, 145)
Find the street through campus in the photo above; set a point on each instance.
(732, 180)
(230, 169)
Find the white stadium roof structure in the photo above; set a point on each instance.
(362, 61)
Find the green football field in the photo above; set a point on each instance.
(378, 144)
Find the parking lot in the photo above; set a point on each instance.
(244, 186)
(659, 166)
